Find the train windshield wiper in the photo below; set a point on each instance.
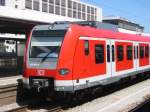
(52, 51)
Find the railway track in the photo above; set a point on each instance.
(55, 109)
(8, 94)
(141, 105)
(19, 109)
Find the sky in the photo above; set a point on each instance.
(134, 10)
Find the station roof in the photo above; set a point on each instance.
(120, 19)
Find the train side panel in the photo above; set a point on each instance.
(66, 61)
(144, 54)
(89, 62)
(124, 61)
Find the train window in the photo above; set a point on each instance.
(129, 52)
(46, 43)
(113, 54)
(141, 51)
(99, 53)
(108, 53)
(135, 52)
(86, 47)
(146, 51)
(137, 55)
(120, 52)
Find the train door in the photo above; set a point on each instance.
(113, 62)
(98, 57)
(136, 55)
(110, 57)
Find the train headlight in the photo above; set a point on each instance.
(63, 71)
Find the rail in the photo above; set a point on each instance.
(8, 94)
(19, 109)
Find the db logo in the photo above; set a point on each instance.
(41, 72)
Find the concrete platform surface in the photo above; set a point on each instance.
(9, 80)
(120, 101)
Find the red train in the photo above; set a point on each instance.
(69, 57)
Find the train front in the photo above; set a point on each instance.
(41, 56)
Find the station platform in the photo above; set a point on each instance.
(120, 101)
(9, 80)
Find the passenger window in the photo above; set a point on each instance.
(86, 47)
(146, 51)
(137, 55)
(108, 53)
(99, 53)
(129, 52)
(120, 53)
(141, 51)
(135, 52)
(113, 54)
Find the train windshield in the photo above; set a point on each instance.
(46, 43)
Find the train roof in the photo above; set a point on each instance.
(107, 30)
(64, 25)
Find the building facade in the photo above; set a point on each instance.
(64, 8)
(124, 25)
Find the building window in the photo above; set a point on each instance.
(120, 53)
(86, 47)
(108, 53)
(83, 16)
(44, 5)
(92, 18)
(79, 7)
(95, 14)
(74, 5)
(74, 14)
(146, 51)
(79, 15)
(92, 10)
(36, 5)
(141, 51)
(69, 13)
(51, 8)
(57, 2)
(88, 17)
(129, 52)
(79, 11)
(2, 2)
(99, 53)
(16, 6)
(88, 9)
(51, 1)
(28, 4)
(63, 3)
(63, 11)
(63, 7)
(83, 8)
(69, 4)
(57, 10)
(95, 18)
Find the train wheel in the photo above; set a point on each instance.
(78, 96)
